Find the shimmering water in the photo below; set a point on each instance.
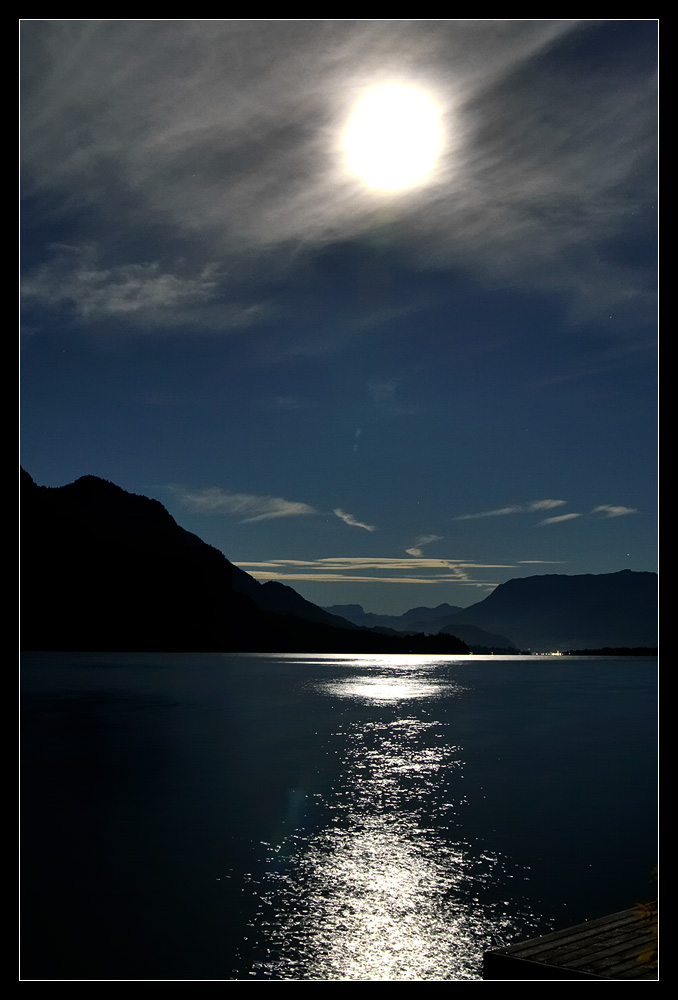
(326, 818)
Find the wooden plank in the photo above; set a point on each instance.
(611, 947)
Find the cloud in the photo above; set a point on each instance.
(73, 277)
(349, 519)
(225, 135)
(248, 507)
(366, 569)
(557, 520)
(384, 395)
(384, 390)
(540, 562)
(520, 508)
(416, 548)
(605, 510)
(499, 512)
(251, 507)
(608, 510)
(150, 293)
(545, 504)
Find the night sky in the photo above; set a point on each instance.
(392, 393)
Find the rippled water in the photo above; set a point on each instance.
(379, 892)
(326, 818)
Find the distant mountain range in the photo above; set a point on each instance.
(542, 613)
(107, 569)
(407, 622)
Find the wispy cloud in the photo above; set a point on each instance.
(384, 390)
(604, 510)
(557, 520)
(384, 395)
(248, 507)
(609, 510)
(366, 569)
(73, 279)
(136, 131)
(540, 562)
(252, 507)
(518, 508)
(415, 549)
(349, 519)
(545, 504)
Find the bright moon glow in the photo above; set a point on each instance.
(393, 138)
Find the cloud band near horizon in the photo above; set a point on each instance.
(374, 569)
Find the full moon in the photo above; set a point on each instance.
(393, 137)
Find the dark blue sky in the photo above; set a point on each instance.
(390, 398)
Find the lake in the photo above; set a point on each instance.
(262, 817)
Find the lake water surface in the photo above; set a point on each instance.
(326, 817)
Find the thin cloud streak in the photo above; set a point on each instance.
(422, 563)
(518, 508)
(562, 517)
(255, 508)
(349, 519)
(609, 510)
(605, 510)
(361, 569)
(347, 578)
(354, 563)
(540, 562)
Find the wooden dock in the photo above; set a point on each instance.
(620, 946)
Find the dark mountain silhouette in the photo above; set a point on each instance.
(540, 613)
(103, 569)
(280, 599)
(478, 639)
(107, 569)
(429, 621)
(543, 613)
(414, 620)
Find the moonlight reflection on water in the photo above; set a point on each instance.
(325, 817)
(385, 890)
